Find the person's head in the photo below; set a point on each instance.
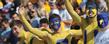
(77, 10)
(91, 12)
(44, 22)
(17, 28)
(5, 23)
(1, 17)
(55, 22)
(30, 5)
(14, 16)
(102, 19)
(53, 5)
(33, 13)
(61, 6)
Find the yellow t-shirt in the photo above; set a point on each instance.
(47, 7)
(79, 1)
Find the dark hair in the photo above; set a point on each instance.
(13, 13)
(54, 16)
(76, 27)
(44, 20)
(3, 16)
(5, 20)
(16, 22)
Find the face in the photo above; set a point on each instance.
(61, 6)
(45, 25)
(33, 13)
(30, 5)
(102, 23)
(102, 20)
(77, 10)
(15, 17)
(91, 12)
(53, 6)
(17, 31)
(5, 25)
(55, 24)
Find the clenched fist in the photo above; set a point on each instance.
(21, 11)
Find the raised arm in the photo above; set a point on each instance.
(34, 31)
(74, 15)
(76, 33)
(107, 2)
(90, 30)
(91, 27)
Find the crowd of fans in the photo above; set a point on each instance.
(38, 14)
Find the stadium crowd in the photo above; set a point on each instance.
(50, 15)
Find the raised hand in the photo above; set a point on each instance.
(21, 11)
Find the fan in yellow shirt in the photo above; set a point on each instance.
(24, 36)
(87, 25)
(58, 35)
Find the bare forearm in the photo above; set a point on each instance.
(91, 27)
(68, 22)
(76, 32)
(73, 14)
(107, 2)
(34, 31)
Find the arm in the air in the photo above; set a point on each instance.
(34, 31)
(76, 33)
(107, 3)
(74, 15)
(91, 27)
